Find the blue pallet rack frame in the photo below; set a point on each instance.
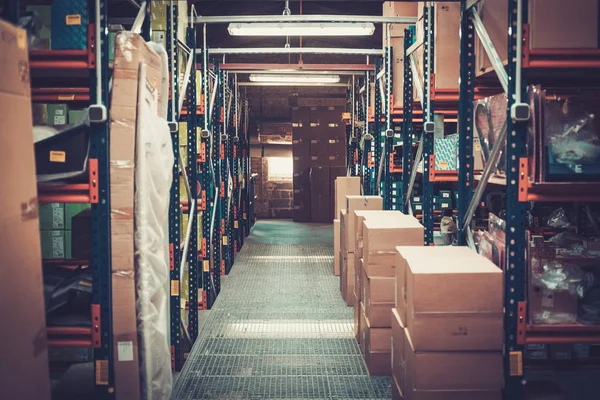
(175, 205)
(407, 124)
(388, 135)
(100, 215)
(217, 131)
(377, 131)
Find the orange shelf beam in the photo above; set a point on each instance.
(72, 193)
(440, 176)
(60, 94)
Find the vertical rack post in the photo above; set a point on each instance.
(352, 140)
(100, 214)
(377, 142)
(428, 81)
(514, 275)
(216, 158)
(175, 206)
(407, 124)
(236, 172)
(361, 112)
(465, 115)
(225, 170)
(205, 191)
(192, 174)
(389, 140)
(147, 25)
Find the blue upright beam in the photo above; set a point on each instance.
(428, 63)
(407, 124)
(465, 116)
(516, 244)
(100, 215)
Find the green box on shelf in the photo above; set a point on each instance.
(69, 24)
(74, 116)
(444, 203)
(56, 244)
(52, 216)
(71, 210)
(416, 199)
(445, 194)
(57, 114)
(111, 46)
(417, 207)
(39, 113)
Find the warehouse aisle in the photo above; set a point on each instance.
(280, 329)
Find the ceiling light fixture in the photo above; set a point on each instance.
(301, 29)
(291, 78)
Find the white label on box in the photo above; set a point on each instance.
(60, 120)
(125, 351)
(446, 195)
(58, 246)
(58, 218)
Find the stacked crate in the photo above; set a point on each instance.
(319, 156)
(347, 266)
(448, 313)
(381, 234)
(342, 187)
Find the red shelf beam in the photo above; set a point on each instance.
(72, 193)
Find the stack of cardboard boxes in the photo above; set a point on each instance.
(376, 283)
(319, 156)
(347, 266)
(343, 186)
(447, 334)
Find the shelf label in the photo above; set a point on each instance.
(206, 266)
(73, 19)
(125, 351)
(66, 97)
(516, 363)
(175, 288)
(58, 156)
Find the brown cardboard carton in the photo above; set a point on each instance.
(381, 236)
(362, 327)
(378, 343)
(360, 215)
(379, 339)
(345, 186)
(349, 275)
(24, 360)
(454, 301)
(396, 388)
(357, 311)
(123, 116)
(379, 289)
(378, 363)
(343, 216)
(551, 26)
(336, 247)
(354, 203)
(452, 375)
(341, 261)
(402, 254)
(379, 315)
(546, 305)
(358, 274)
(397, 348)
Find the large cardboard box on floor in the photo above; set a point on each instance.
(336, 247)
(348, 281)
(446, 44)
(123, 116)
(452, 375)
(381, 236)
(378, 298)
(378, 342)
(24, 360)
(355, 203)
(453, 299)
(360, 215)
(397, 349)
(552, 25)
(345, 186)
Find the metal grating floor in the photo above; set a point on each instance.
(279, 330)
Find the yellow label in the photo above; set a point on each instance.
(443, 164)
(516, 363)
(58, 156)
(224, 240)
(235, 224)
(21, 39)
(174, 288)
(66, 97)
(73, 19)
(477, 147)
(102, 372)
(206, 266)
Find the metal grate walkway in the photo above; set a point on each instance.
(280, 329)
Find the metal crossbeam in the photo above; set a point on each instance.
(303, 18)
(294, 50)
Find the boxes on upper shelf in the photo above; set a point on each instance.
(69, 24)
(57, 114)
(56, 244)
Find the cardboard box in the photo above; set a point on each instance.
(345, 186)
(379, 339)
(40, 113)
(397, 348)
(361, 215)
(69, 24)
(452, 375)
(357, 311)
(378, 342)
(348, 276)
(397, 393)
(24, 361)
(362, 329)
(336, 247)
(378, 289)
(546, 305)
(354, 203)
(52, 216)
(319, 195)
(551, 26)
(381, 236)
(454, 300)
(343, 215)
(123, 113)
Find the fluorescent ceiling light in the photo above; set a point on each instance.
(291, 78)
(301, 29)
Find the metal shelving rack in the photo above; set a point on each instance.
(96, 191)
